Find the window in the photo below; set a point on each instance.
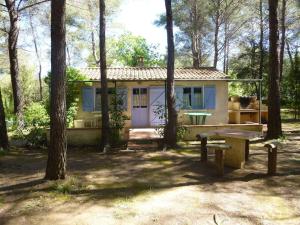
(140, 98)
(136, 98)
(187, 98)
(196, 97)
(91, 100)
(98, 99)
(144, 98)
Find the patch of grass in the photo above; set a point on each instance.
(66, 187)
(161, 160)
(158, 158)
(1, 201)
(2, 152)
(33, 204)
(186, 151)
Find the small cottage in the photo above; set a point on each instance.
(143, 90)
(201, 101)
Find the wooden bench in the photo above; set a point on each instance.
(219, 155)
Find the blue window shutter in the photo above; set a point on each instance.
(88, 99)
(210, 97)
(122, 93)
(179, 98)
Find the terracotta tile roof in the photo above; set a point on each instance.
(154, 73)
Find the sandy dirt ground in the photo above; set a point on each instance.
(152, 187)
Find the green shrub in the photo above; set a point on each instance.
(36, 122)
(67, 186)
(36, 137)
(117, 118)
(3, 152)
(71, 113)
(160, 113)
(36, 116)
(72, 93)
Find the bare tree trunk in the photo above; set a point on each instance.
(274, 121)
(96, 59)
(104, 89)
(196, 48)
(227, 57)
(195, 52)
(261, 41)
(282, 44)
(94, 50)
(68, 55)
(57, 153)
(13, 35)
(37, 56)
(290, 55)
(225, 47)
(171, 131)
(3, 130)
(216, 39)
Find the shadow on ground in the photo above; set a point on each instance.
(103, 180)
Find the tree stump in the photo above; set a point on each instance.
(219, 160)
(247, 150)
(219, 156)
(272, 158)
(203, 149)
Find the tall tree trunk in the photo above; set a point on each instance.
(3, 130)
(196, 48)
(227, 58)
(92, 29)
(13, 35)
(104, 89)
(274, 121)
(57, 153)
(37, 55)
(195, 52)
(282, 44)
(216, 39)
(261, 41)
(68, 55)
(225, 63)
(171, 131)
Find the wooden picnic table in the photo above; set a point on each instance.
(237, 155)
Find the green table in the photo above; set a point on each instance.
(198, 117)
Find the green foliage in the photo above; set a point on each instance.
(130, 48)
(291, 86)
(30, 88)
(36, 115)
(36, 137)
(117, 117)
(72, 93)
(66, 186)
(36, 120)
(181, 132)
(160, 113)
(245, 65)
(3, 152)
(127, 50)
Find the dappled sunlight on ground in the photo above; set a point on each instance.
(155, 187)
